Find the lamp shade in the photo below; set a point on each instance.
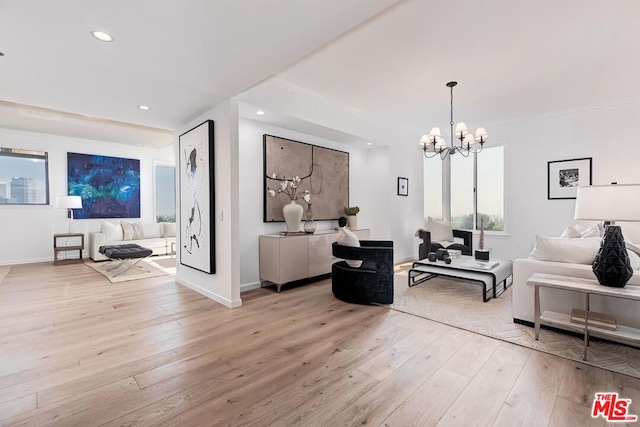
(69, 202)
(608, 202)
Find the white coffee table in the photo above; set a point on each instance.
(494, 281)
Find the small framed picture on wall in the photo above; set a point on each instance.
(565, 176)
(403, 186)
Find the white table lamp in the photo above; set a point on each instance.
(610, 203)
(70, 203)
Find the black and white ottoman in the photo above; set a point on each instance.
(129, 254)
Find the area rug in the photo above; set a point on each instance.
(459, 303)
(151, 267)
(3, 272)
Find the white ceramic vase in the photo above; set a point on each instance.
(352, 222)
(292, 216)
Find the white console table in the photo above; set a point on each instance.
(588, 287)
(285, 259)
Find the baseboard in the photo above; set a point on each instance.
(207, 293)
(249, 286)
(25, 261)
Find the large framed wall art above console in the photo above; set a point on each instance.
(323, 171)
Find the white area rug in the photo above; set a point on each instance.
(151, 267)
(459, 303)
(3, 272)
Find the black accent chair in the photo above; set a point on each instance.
(428, 246)
(372, 282)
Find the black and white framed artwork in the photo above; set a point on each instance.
(197, 198)
(565, 176)
(403, 186)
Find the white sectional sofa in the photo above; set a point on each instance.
(159, 237)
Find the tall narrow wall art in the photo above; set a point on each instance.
(197, 198)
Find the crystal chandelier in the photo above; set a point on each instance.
(436, 144)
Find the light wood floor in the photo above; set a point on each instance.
(77, 350)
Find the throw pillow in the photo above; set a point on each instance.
(132, 230)
(127, 230)
(558, 249)
(347, 238)
(594, 231)
(152, 230)
(112, 232)
(440, 230)
(169, 229)
(570, 233)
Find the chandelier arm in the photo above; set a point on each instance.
(429, 157)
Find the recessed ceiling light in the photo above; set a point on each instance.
(260, 113)
(369, 143)
(144, 107)
(102, 36)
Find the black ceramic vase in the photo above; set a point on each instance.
(611, 265)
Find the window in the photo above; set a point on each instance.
(165, 193)
(24, 177)
(477, 190)
(432, 188)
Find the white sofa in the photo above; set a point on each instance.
(159, 237)
(626, 312)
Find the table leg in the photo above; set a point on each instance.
(537, 310)
(586, 325)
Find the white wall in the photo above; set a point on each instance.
(605, 134)
(224, 285)
(361, 174)
(27, 231)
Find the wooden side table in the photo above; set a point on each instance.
(64, 248)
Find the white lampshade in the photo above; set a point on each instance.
(435, 132)
(425, 140)
(69, 202)
(608, 203)
(481, 133)
(461, 129)
(469, 139)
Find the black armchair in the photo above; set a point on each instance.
(428, 246)
(372, 282)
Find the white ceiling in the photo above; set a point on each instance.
(513, 59)
(179, 57)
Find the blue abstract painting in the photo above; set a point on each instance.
(109, 186)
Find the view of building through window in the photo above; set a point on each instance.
(23, 177)
(488, 169)
(165, 193)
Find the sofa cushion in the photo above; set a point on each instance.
(558, 249)
(347, 238)
(152, 230)
(440, 230)
(570, 233)
(168, 229)
(112, 232)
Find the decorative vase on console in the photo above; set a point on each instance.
(292, 216)
(309, 224)
(292, 211)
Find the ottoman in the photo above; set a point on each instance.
(129, 254)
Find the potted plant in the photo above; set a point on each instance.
(352, 219)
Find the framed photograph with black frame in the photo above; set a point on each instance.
(565, 176)
(403, 186)
(197, 198)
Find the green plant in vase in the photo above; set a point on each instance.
(352, 219)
